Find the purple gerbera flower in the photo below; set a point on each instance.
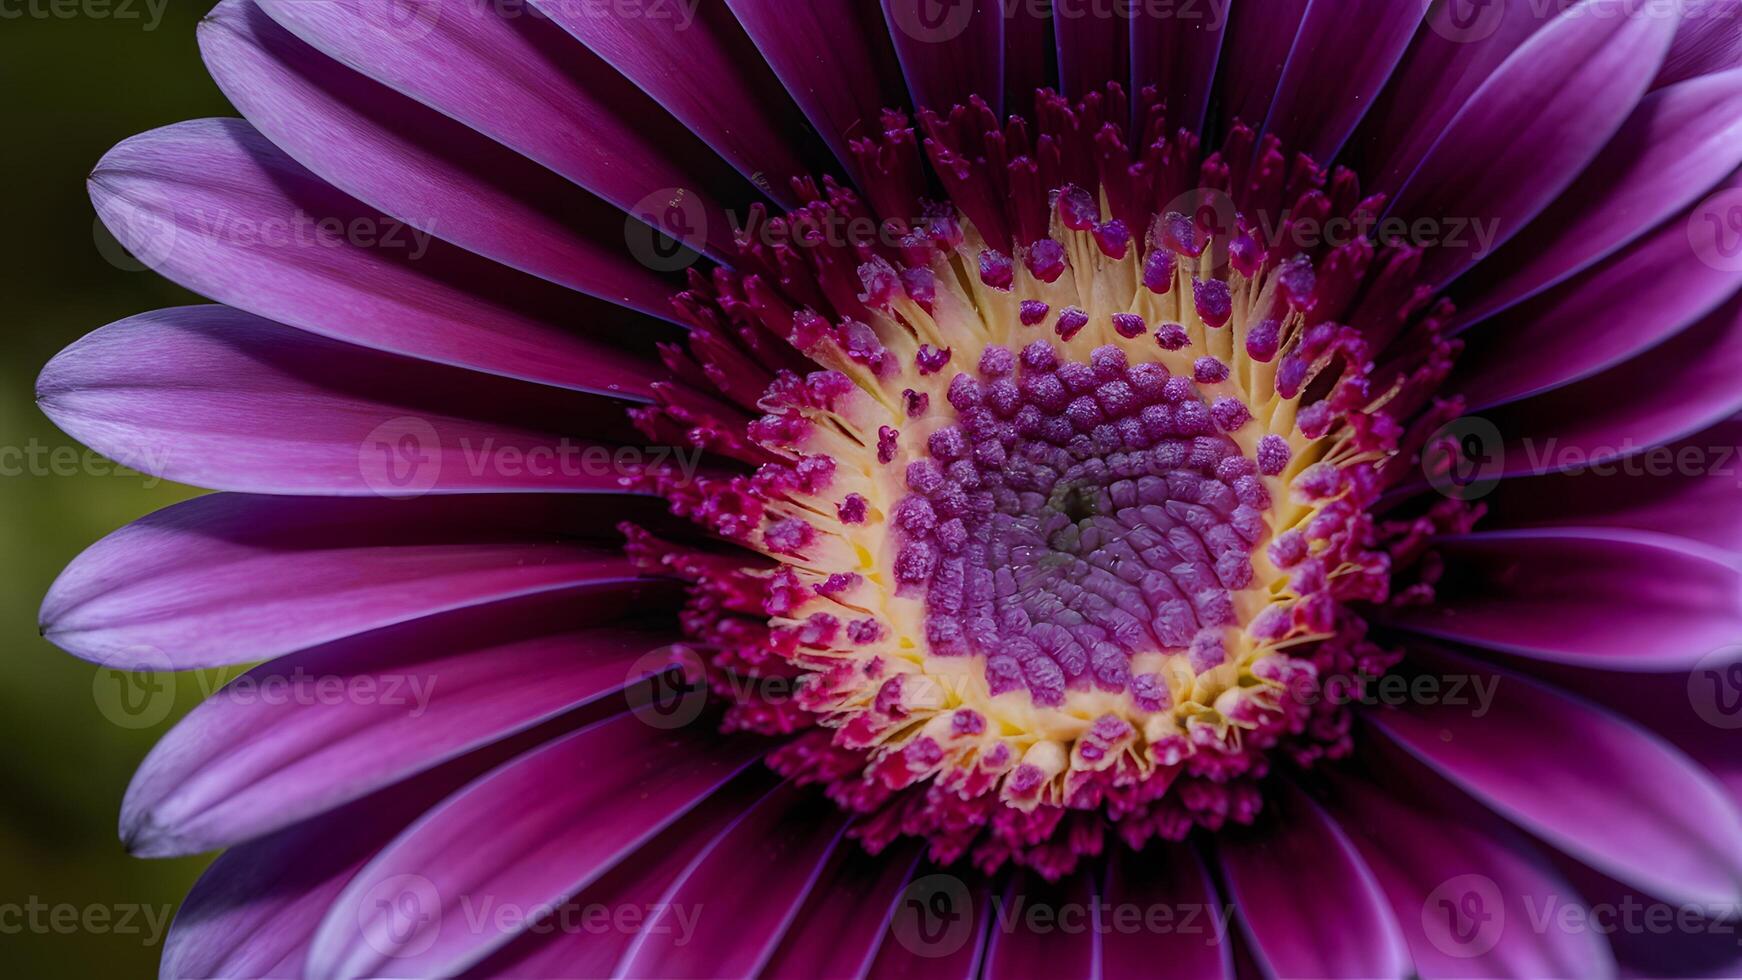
(949, 488)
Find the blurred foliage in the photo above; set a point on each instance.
(78, 77)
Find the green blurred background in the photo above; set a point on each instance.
(74, 83)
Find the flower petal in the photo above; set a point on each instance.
(1681, 386)
(1459, 46)
(524, 82)
(1345, 930)
(699, 64)
(834, 57)
(762, 868)
(319, 728)
(1333, 73)
(1455, 899)
(214, 206)
(214, 397)
(255, 910)
(948, 58)
(601, 794)
(1620, 600)
(1094, 48)
(420, 166)
(1710, 40)
(1591, 783)
(1178, 55)
(1535, 124)
(1045, 929)
(933, 935)
(1678, 143)
(1254, 54)
(846, 917)
(574, 945)
(1688, 489)
(1194, 944)
(1628, 303)
(229, 578)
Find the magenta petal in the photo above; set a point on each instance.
(949, 53)
(420, 166)
(255, 910)
(1463, 902)
(1178, 55)
(1621, 600)
(1193, 943)
(1534, 125)
(214, 206)
(600, 794)
(524, 82)
(316, 729)
(1678, 143)
(1679, 387)
(763, 868)
(1710, 40)
(1591, 783)
(939, 928)
(229, 579)
(1254, 53)
(1688, 489)
(701, 66)
(213, 397)
(834, 57)
(1345, 929)
(1333, 75)
(1045, 929)
(1624, 305)
(1094, 48)
(847, 916)
(575, 943)
(1457, 48)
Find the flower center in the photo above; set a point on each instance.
(1080, 522)
(1069, 519)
